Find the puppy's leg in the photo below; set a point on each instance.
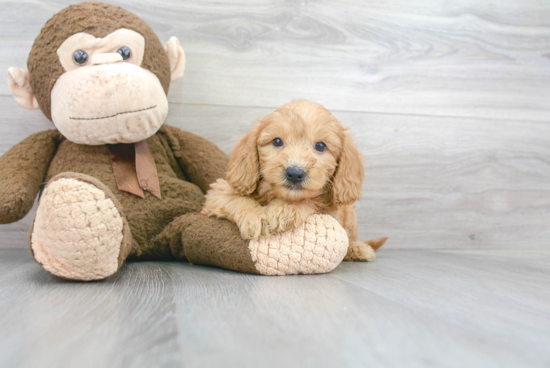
(223, 201)
(358, 250)
(282, 216)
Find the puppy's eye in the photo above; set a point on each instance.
(320, 146)
(80, 58)
(125, 53)
(278, 142)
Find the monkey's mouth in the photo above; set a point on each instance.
(117, 114)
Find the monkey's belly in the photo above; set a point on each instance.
(147, 216)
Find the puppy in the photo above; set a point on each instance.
(295, 162)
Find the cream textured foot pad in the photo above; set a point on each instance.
(77, 231)
(318, 246)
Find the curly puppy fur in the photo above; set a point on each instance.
(279, 175)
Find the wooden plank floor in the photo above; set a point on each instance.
(406, 309)
(448, 102)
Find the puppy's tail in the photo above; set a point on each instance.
(377, 243)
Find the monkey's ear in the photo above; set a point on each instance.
(176, 57)
(18, 82)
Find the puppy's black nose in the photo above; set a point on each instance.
(295, 175)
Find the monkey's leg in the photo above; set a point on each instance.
(80, 232)
(318, 246)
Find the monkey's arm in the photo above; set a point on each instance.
(22, 171)
(201, 160)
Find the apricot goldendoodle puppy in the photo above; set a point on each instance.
(295, 162)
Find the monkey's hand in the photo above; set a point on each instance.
(23, 170)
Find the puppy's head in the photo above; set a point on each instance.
(299, 151)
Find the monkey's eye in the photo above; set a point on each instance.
(320, 146)
(80, 57)
(125, 53)
(278, 142)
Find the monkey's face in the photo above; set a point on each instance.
(100, 73)
(105, 96)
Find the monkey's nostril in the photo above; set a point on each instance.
(295, 175)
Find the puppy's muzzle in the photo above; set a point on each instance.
(295, 175)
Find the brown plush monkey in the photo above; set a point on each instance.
(119, 183)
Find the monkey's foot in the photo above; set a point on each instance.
(318, 246)
(78, 232)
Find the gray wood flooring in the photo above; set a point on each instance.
(450, 104)
(409, 308)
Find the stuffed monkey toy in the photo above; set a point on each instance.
(115, 182)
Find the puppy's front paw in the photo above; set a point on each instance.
(253, 225)
(282, 216)
(359, 252)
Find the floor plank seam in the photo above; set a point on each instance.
(368, 112)
(544, 122)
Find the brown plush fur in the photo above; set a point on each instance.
(97, 19)
(23, 168)
(207, 241)
(186, 165)
(255, 194)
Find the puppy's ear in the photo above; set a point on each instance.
(348, 178)
(243, 172)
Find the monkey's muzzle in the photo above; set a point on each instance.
(107, 103)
